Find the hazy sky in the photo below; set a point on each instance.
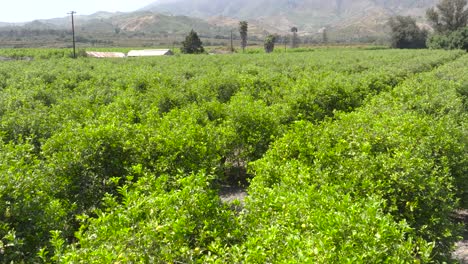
(28, 10)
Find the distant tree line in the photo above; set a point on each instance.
(449, 21)
(24, 32)
(193, 45)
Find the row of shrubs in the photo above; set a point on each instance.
(131, 157)
(376, 185)
(405, 148)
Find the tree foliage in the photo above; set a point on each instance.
(295, 39)
(406, 34)
(455, 40)
(448, 16)
(374, 185)
(360, 161)
(192, 44)
(269, 43)
(449, 20)
(324, 35)
(243, 28)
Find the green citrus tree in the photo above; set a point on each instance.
(192, 44)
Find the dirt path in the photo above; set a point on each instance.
(461, 252)
(230, 193)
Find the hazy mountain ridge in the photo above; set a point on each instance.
(141, 21)
(142, 28)
(308, 15)
(253, 9)
(343, 20)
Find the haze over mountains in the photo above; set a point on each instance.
(308, 15)
(342, 19)
(253, 9)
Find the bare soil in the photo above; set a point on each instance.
(461, 251)
(230, 193)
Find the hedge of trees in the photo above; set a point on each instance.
(352, 156)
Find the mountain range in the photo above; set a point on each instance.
(308, 15)
(343, 20)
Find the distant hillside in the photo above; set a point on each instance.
(143, 22)
(136, 28)
(168, 21)
(345, 16)
(298, 9)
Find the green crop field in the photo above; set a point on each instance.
(346, 156)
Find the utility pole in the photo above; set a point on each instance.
(285, 43)
(232, 47)
(73, 33)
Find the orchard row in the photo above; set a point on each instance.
(352, 156)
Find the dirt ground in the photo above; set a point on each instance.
(230, 193)
(461, 252)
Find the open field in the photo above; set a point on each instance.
(345, 156)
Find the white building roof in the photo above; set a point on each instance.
(153, 52)
(98, 54)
